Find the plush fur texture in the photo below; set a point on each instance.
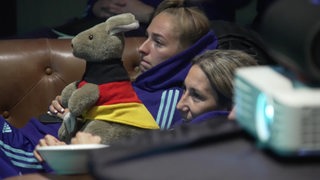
(101, 47)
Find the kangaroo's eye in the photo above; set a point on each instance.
(90, 37)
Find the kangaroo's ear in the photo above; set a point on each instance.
(121, 23)
(124, 28)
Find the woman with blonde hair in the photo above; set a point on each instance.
(208, 87)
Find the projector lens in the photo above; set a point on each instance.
(264, 117)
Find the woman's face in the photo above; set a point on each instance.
(198, 95)
(163, 42)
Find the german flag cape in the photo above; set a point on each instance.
(118, 102)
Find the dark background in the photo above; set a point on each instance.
(21, 16)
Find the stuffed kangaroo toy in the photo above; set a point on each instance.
(104, 103)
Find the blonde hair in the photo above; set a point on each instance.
(219, 66)
(190, 20)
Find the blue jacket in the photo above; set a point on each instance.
(160, 88)
(212, 115)
(17, 145)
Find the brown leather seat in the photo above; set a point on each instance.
(34, 71)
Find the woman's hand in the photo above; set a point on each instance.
(48, 140)
(142, 12)
(57, 109)
(85, 138)
(108, 8)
